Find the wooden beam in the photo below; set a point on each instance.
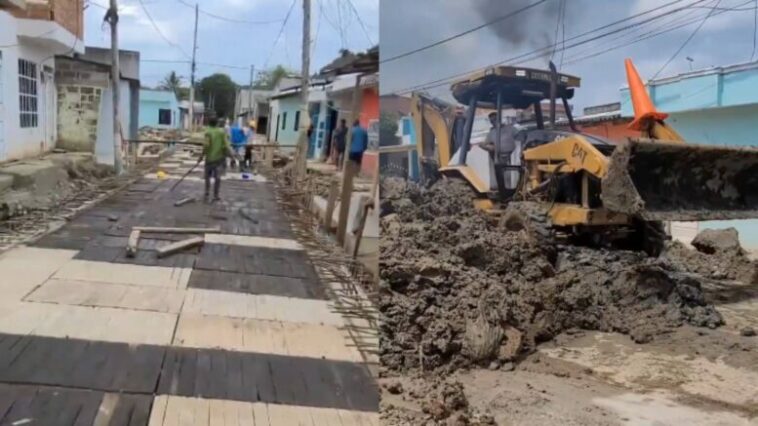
(158, 230)
(331, 201)
(345, 198)
(178, 246)
(132, 243)
(184, 201)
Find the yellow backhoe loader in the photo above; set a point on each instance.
(577, 184)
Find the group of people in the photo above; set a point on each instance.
(358, 142)
(232, 139)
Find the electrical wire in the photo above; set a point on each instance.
(278, 36)
(542, 51)
(227, 19)
(158, 30)
(557, 27)
(686, 41)
(461, 34)
(563, 32)
(360, 21)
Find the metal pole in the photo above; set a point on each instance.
(304, 118)
(115, 79)
(192, 77)
(250, 94)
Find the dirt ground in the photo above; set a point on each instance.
(483, 326)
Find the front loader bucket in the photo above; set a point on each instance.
(674, 181)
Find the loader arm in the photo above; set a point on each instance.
(432, 134)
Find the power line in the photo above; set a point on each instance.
(360, 21)
(687, 41)
(278, 36)
(469, 31)
(158, 30)
(755, 29)
(563, 32)
(557, 27)
(228, 19)
(541, 51)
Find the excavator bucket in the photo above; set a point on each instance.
(663, 178)
(673, 181)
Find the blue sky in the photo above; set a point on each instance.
(725, 38)
(333, 26)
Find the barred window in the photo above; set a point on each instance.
(27, 93)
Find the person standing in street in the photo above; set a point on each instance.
(239, 140)
(358, 143)
(215, 150)
(340, 136)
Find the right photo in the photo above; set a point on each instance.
(569, 212)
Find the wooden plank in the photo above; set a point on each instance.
(184, 201)
(331, 201)
(133, 243)
(178, 246)
(169, 230)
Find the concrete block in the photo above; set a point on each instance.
(41, 174)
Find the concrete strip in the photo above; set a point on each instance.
(228, 176)
(77, 322)
(173, 410)
(24, 268)
(262, 307)
(115, 273)
(99, 294)
(251, 241)
(266, 337)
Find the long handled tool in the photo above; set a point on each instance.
(185, 175)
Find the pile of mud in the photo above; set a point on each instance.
(458, 289)
(429, 401)
(718, 256)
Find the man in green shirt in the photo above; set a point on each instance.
(215, 149)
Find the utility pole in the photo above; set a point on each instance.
(305, 120)
(192, 77)
(112, 17)
(250, 94)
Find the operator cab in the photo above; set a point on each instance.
(519, 88)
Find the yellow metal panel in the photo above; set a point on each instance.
(575, 150)
(551, 168)
(571, 214)
(421, 114)
(470, 175)
(483, 204)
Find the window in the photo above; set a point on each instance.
(284, 120)
(297, 120)
(27, 93)
(164, 117)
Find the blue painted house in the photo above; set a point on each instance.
(159, 109)
(714, 106)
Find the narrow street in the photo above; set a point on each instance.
(240, 331)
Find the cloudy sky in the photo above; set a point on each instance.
(725, 38)
(236, 45)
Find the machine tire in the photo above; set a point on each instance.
(531, 218)
(653, 236)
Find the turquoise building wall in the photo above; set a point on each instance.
(151, 101)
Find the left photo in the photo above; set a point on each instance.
(188, 212)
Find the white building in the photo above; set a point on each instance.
(31, 35)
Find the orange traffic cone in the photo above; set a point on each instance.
(644, 110)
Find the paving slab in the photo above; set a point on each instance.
(253, 377)
(262, 307)
(24, 268)
(257, 284)
(101, 294)
(167, 410)
(267, 337)
(255, 260)
(157, 276)
(41, 405)
(81, 322)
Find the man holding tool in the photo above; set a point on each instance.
(215, 149)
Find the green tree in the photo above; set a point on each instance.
(219, 92)
(388, 129)
(267, 79)
(171, 82)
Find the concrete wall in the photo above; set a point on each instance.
(80, 88)
(68, 13)
(17, 142)
(151, 101)
(287, 133)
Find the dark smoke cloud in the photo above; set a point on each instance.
(533, 28)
